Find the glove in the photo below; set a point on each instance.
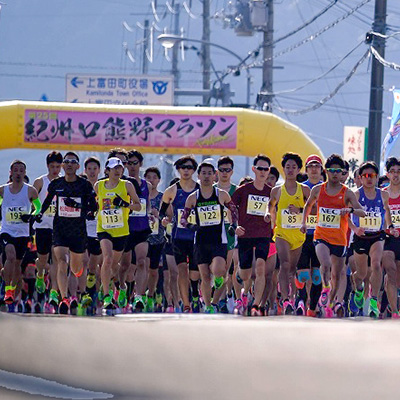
(119, 202)
(192, 227)
(90, 216)
(26, 218)
(231, 230)
(72, 203)
(38, 218)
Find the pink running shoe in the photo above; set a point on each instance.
(323, 299)
(328, 312)
(287, 308)
(395, 315)
(301, 309)
(238, 310)
(170, 310)
(244, 299)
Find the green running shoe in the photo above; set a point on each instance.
(100, 295)
(39, 284)
(150, 305)
(107, 301)
(218, 282)
(373, 310)
(359, 299)
(159, 299)
(122, 298)
(86, 300)
(209, 310)
(53, 298)
(90, 281)
(138, 304)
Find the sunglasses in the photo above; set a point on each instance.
(372, 175)
(336, 171)
(71, 162)
(262, 168)
(225, 169)
(132, 162)
(186, 167)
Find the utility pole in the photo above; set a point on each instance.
(175, 73)
(268, 51)
(145, 61)
(376, 91)
(205, 50)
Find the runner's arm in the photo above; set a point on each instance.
(230, 205)
(135, 201)
(388, 218)
(355, 208)
(308, 206)
(190, 202)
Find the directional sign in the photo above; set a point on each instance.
(120, 89)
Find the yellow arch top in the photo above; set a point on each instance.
(151, 129)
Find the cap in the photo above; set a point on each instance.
(313, 158)
(114, 162)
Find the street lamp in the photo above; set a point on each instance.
(170, 40)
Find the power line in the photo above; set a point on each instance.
(332, 94)
(385, 63)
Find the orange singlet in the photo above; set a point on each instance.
(331, 226)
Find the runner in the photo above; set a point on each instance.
(157, 238)
(210, 238)
(286, 207)
(369, 236)
(92, 171)
(137, 247)
(253, 233)
(44, 229)
(17, 197)
(75, 202)
(330, 237)
(115, 198)
(182, 238)
(224, 173)
(308, 265)
(391, 253)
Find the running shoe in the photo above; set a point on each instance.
(73, 306)
(353, 309)
(373, 310)
(223, 306)
(311, 313)
(178, 310)
(230, 304)
(245, 301)
(169, 310)
(53, 298)
(218, 282)
(90, 280)
(301, 309)
(328, 311)
(100, 294)
(40, 285)
(278, 306)
(122, 298)
(323, 299)
(395, 315)
(255, 311)
(287, 308)
(209, 310)
(339, 310)
(49, 309)
(359, 299)
(138, 304)
(150, 305)
(28, 306)
(159, 301)
(108, 302)
(86, 300)
(238, 310)
(64, 306)
(195, 305)
(9, 296)
(187, 310)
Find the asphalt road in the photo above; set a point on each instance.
(197, 357)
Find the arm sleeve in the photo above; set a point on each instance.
(185, 216)
(37, 205)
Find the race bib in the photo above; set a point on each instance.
(111, 219)
(143, 209)
(312, 221)
(51, 211)
(14, 213)
(226, 216)
(68, 212)
(372, 222)
(395, 216)
(154, 225)
(209, 215)
(329, 218)
(168, 229)
(257, 205)
(291, 221)
(191, 219)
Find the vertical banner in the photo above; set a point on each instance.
(394, 129)
(354, 148)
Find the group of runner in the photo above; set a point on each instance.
(309, 246)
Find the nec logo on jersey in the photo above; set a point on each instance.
(332, 211)
(15, 209)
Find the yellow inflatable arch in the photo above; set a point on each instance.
(150, 129)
